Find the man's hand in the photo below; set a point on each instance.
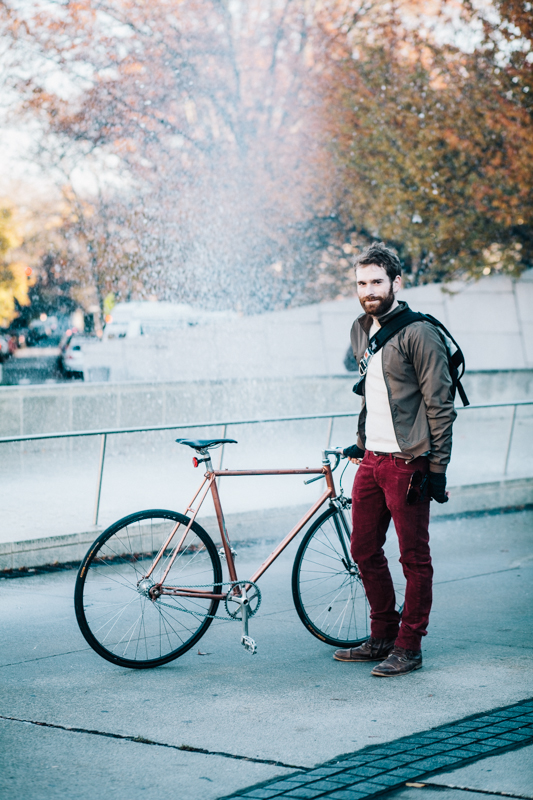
(354, 453)
(437, 487)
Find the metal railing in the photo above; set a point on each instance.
(224, 425)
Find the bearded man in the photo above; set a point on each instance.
(403, 448)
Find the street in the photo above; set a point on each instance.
(257, 717)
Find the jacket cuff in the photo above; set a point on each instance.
(441, 468)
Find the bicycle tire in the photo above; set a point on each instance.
(328, 593)
(127, 627)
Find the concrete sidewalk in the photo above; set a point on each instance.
(218, 720)
(509, 774)
(415, 762)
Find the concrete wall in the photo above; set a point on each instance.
(82, 406)
(492, 319)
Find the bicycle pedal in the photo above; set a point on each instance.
(249, 644)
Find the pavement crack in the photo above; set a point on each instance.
(445, 786)
(478, 575)
(142, 740)
(43, 658)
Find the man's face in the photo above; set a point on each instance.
(375, 290)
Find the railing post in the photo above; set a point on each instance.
(224, 429)
(330, 432)
(103, 442)
(511, 431)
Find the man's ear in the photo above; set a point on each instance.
(397, 283)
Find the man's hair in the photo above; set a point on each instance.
(378, 253)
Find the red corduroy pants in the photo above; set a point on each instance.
(379, 494)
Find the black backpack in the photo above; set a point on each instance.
(456, 359)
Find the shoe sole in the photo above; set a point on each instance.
(394, 674)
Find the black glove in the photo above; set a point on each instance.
(353, 451)
(437, 487)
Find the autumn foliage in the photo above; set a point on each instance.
(247, 149)
(434, 149)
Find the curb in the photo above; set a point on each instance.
(69, 549)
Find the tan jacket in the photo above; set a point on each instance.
(415, 368)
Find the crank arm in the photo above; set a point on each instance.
(247, 642)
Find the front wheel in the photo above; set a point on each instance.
(115, 612)
(326, 586)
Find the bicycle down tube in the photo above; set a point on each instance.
(211, 479)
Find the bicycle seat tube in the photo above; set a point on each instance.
(220, 517)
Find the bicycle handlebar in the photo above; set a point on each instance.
(338, 453)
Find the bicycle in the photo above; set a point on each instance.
(145, 594)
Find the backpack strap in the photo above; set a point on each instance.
(391, 328)
(380, 338)
(456, 360)
(462, 394)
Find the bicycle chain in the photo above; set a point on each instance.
(197, 614)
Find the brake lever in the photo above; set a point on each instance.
(312, 480)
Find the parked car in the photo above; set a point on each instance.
(71, 354)
(44, 332)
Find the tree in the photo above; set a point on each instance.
(434, 151)
(249, 148)
(14, 273)
(209, 107)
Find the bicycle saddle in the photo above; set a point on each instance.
(205, 444)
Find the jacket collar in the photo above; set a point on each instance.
(365, 320)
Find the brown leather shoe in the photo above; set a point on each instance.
(399, 662)
(371, 650)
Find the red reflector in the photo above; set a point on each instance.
(195, 461)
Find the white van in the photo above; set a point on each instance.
(144, 317)
(141, 318)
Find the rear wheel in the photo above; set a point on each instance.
(115, 613)
(326, 586)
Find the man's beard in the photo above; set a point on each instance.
(378, 309)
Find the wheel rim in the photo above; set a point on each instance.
(331, 595)
(117, 615)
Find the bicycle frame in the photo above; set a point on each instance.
(209, 483)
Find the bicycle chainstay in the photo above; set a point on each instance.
(227, 618)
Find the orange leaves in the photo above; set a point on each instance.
(431, 153)
(135, 68)
(261, 133)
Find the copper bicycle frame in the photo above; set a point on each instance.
(210, 478)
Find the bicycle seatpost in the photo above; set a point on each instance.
(206, 459)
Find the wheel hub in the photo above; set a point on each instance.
(144, 586)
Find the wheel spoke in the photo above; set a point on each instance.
(329, 599)
(121, 622)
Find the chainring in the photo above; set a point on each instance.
(233, 604)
